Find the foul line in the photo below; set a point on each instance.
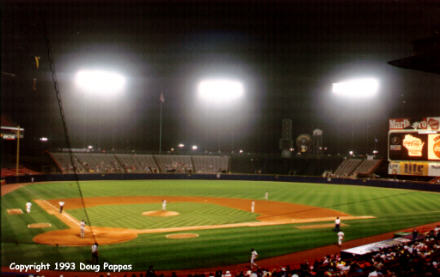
(62, 216)
(247, 224)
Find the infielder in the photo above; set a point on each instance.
(337, 224)
(254, 256)
(28, 207)
(164, 205)
(82, 227)
(61, 203)
(340, 237)
(253, 206)
(266, 195)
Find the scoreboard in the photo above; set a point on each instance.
(414, 147)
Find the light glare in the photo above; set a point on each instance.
(356, 88)
(220, 90)
(100, 82)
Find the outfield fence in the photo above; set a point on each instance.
(425, 186)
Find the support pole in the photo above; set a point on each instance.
(18, 152)
(160, 128)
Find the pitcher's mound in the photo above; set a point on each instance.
(182, 236)
(39, 225)
(160, 213)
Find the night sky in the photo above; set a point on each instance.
(287, 54)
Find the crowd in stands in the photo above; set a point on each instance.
(140, 163)
(420, 256)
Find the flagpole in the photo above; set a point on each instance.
(160, 122)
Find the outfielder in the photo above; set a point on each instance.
(266, 195)
(28, 207)
(254, 256)
(164, 205)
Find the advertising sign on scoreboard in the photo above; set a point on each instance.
(434, 147)
(414, 146)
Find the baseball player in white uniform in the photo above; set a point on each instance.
(253, 206)
(164, 205)
(340, 237)
(61, 203)
(28, 207)
(82, 227)
(266, 195)
(337, 224)
(254, 256)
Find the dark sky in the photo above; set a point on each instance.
(287, 53)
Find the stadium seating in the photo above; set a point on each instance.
(105, 163)
(210, 164)
(138, 163)
(99, 163)
(174, 163)
(366, 167)
(347, 167)
(63, 161)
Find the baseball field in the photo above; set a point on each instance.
(205, 224)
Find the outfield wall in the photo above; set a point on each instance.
(280, 178)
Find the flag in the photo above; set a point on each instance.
(162, 98)
(37, 62)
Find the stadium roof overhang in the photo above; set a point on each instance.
(426, 58)
(424, 62)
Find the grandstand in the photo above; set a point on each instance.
(99, 163)
(347, 167)
(138, 163)
(171, 163)
(63, 162)
(367, 167)
(210, 164)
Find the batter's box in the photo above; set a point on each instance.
(14, 211)
(39, 225)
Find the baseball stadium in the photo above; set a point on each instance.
(219, 139)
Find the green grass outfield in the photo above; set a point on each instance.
(394, 209)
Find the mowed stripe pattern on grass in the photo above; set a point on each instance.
(190, 214)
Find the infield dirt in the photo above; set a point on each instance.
(270, 213)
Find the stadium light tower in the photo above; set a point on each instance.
(220, 95)
(356, 88)
(356, 91)
(100, 82)
(220, 91)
